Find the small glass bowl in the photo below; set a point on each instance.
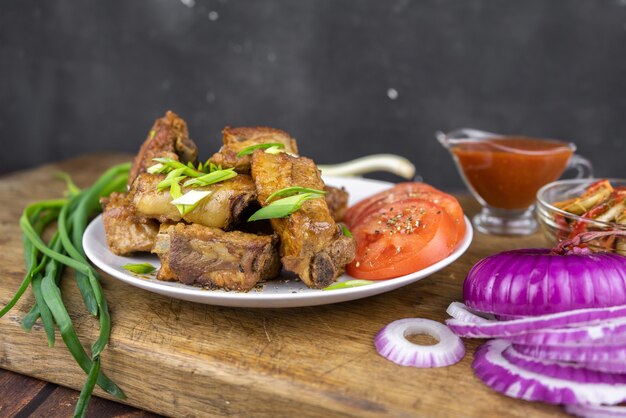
(556, 224)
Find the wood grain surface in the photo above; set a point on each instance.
(185, 359)
(26, 397)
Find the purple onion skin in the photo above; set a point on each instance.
(536, 282)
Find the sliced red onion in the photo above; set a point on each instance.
(392, 344)
(576, 353)
(500, 329)
(606, 366)
(503, 376)
(559, 370)
(539, 281)
(509, 317)
(605, 333)
(459, 311)
(596, 411)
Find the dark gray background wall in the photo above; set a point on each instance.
(347, 78)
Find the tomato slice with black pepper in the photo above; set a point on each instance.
(358, 211)
(402, 191)
(402, 238)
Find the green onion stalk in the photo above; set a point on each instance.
(46, 262)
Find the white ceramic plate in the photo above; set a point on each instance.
(273, 294)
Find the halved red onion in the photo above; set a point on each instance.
(596, 411)
(539, 281)
(605, 333)
(503, 376)
(505, 329)
(576, 353)
(392, 344)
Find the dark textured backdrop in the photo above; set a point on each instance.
(347, 78)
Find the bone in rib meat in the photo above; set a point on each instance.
(312, 244)
(168, 138)
(126, 231)
(220, 209)
(236, 139)
(210, 257)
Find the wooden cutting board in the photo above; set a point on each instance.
(184, 359)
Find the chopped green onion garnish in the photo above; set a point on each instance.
(177, 172)
(289, 191)
(274, 150)
(175, 190)
(187, 202)
(348, 284)
(346, 232)
(211, 178)
(192, 197)
(174, 174)
(156, 169)
(169, 164)
(141, 268)
(249, 150)
(283, 207)
(212, 167)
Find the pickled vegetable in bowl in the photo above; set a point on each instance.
(568, 207)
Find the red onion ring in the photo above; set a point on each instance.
(459, 311)
(503, 376)
(596, 411)
(504, 329)
(606, 366)
(606, 333)
(579, 354)
(392, 344)
(558, 370)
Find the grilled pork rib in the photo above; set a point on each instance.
(312, 245)
(337, 201)
(168, 138)
(236, 139)
(210, 257)
(126, 232)
(221, 209)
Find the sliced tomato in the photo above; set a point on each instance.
(403, 191)
(402, 238)
(359, 210)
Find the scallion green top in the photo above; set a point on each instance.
(281, 208)
(249, 150)
(203, 175)
(140, 268)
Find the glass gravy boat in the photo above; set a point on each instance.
(505, 172)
